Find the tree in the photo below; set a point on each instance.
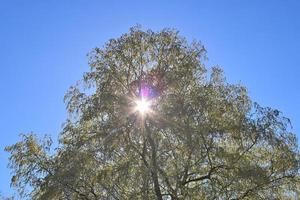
(149, 121)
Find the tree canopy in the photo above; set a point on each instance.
(199, 138)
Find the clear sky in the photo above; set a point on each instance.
(43, 47)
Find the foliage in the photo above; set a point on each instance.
(203, 138)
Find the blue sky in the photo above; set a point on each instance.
(44, 46)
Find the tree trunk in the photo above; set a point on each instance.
(154, 171)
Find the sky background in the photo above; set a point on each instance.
(43, 47)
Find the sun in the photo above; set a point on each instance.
(142, 105)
